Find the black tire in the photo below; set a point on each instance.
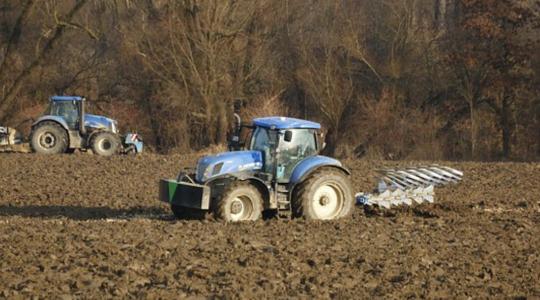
(186, 213)
(48, 138)
(240, 201)
(324, 195)
(104, 143)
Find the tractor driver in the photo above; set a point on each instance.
(69, 111)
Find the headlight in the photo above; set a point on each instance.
(114, 127)
(217, 169)
(210, 171)
(206, 173)
(201, 170)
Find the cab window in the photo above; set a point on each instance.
(68, 110)
(263, 140)
(303, 144)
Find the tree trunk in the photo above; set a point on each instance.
(210, 124)
(537, 117)
(222, 123)
(7, 102)
(506, 127)
(473, 128)
(15, 35)
(331, 140)
(247, 67)
(153, 116)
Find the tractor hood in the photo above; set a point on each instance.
(100, 122)
(228, 163)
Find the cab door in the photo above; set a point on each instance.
(68, 110)
(302, 144)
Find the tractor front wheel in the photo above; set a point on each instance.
(49, 138)
(241, 201)
(324, 195)
(105, 143)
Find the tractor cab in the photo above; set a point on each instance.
(284, 142)
(67, 108)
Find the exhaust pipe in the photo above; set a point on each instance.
(82, 128)
(234, 143)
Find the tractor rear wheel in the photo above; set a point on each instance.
(104, 143)
(240, 201)
(324, 195)
(49, 138)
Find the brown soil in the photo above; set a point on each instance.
(84, 226)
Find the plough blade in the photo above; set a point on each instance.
(398, 187)
(420, 177)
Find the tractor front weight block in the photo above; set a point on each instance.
(184, 194)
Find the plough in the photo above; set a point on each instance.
(403, 187)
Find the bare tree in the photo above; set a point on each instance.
(200, 57)
(42, 53)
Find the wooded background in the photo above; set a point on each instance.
(393, 79)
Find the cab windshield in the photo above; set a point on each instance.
(68, 110)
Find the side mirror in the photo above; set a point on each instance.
(237, 105)
(288, 136)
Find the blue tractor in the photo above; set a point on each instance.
(65, 126)
(279, 170)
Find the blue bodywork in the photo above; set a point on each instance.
(90, 122)
(228, 163)
(66, 98)
(100, 122)
(309, 164)
(285, 123)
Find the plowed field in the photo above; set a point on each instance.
(82, 226)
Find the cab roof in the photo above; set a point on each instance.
(285, 123)
(66, 98)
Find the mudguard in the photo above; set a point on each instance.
(56, 119)
(310, 164)
(242, 176)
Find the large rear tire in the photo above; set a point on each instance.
(240, 201)
(105, 143)
(48, 138)
(324, 195)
